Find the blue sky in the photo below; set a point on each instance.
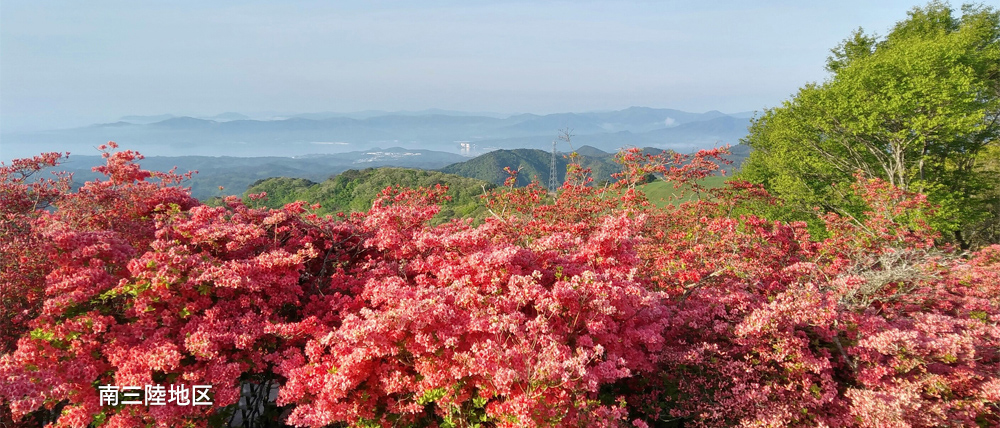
(70, 63)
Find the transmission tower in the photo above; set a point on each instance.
(553, 181)
(565, 134)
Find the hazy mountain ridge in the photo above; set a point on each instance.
(235, 134)
(328, 144)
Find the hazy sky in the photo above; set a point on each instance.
(69, 63)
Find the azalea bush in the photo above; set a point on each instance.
(592, 308)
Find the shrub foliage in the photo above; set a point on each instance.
(593, 309)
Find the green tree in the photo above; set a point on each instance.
(916, 108)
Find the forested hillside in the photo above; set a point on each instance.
(354, 190)
(533, 164)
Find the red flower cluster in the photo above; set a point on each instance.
(592, 309)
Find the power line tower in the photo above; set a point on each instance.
(565, 134)
(553, 181)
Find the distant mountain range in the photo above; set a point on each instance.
(144, 120)
(233, 150)
(236, 134)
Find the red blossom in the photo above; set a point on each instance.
(592, 308)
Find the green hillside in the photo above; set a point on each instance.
(533, 164)
(354, 190)
(661, 192)
(593, 152)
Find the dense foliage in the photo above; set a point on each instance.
(597, 309)
(354, 190)
(919, 108)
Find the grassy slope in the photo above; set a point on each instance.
(660, 192)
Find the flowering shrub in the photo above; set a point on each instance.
(22, 266)
(592, 309)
